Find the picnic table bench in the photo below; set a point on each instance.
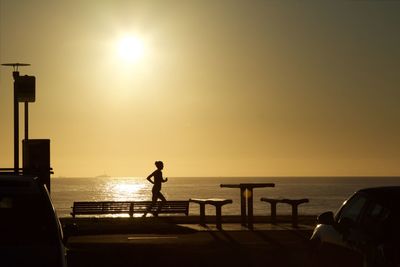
(217, 203)
(293, 202)
(128, 207)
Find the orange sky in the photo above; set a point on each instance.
(222, 88)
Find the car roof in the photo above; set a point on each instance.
(18, 184)
(386, 195)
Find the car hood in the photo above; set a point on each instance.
(33, 255)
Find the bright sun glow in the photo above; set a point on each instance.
(130, 49)
(126, 189)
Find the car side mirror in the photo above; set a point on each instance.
(326, 218)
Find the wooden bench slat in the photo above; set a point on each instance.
(130, 207)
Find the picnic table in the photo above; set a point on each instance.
(246, 196)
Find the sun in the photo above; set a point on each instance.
(130, 49)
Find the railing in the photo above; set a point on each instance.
(10, 171)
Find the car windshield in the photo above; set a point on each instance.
(26, 219)
(351, 210)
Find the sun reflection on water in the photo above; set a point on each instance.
(126, 190)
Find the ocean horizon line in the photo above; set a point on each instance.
(238, 177)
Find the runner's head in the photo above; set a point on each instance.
(159, 165)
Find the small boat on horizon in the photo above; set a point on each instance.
(104, 175)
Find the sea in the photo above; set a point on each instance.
(324, 193)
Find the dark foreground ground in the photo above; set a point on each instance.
(170, 242)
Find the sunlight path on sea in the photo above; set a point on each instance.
(325, 193)
(125, 190)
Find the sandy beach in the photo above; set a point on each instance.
(180, 241)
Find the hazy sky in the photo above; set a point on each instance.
(220, 88)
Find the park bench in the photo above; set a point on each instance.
(217, 203)
(293, 202)
(128, 207)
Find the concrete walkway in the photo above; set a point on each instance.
(266, 245)
(257, 227)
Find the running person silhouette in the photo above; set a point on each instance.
(157, 182)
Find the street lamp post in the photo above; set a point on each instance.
(22, 84)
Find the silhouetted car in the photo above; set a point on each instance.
(30, 232)
(364, 231)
